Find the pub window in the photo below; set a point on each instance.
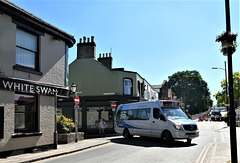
(26, 49)
(127, 86)
(25, 113)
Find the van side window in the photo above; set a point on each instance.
(143, 114)
(157, 114)
(122, 115)
(134, 114)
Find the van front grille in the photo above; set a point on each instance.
(190, 127)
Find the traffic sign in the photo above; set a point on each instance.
(76, 107)
(113, 105)
(76, 100)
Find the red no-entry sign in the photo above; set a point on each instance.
(113, 105)
(76, 100)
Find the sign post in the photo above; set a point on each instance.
(113, 105)
(76, 100)
(76, 108)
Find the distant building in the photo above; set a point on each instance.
(33, 70)
(164, 93)
(101, 85)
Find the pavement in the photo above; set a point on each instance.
(62, 149)
(219, 154)
(221, 150)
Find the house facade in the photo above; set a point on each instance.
(100, 85)
(164, 93)
(33, 74)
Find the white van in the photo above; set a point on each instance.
(160, 119)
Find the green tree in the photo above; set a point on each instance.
(221, 95)
(192, 89)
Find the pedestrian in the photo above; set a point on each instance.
(102, 126)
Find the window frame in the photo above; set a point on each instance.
(36, 118)
(131, 88)
(38, 33)
(36, 53)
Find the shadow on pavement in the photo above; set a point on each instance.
(98, 136)
(150, 142)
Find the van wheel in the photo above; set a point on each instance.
(166, 137)
(126, 134)
(189, 141)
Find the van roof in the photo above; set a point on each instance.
(215, 110)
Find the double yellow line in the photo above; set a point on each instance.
(205, 151)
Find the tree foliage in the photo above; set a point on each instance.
(221, 95)
(192, 89)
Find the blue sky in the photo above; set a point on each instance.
(154, 38)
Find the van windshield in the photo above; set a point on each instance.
(174, 113)
(215, 113)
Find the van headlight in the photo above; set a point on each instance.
(178, 127)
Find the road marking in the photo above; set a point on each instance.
(203, 154)
(213, 153)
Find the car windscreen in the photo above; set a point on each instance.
(174, 113)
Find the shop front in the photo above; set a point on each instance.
(92, 108)
(27, 113)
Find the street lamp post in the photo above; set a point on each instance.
(224, 69)
(232, 113)
(73, 89)
(227, 40)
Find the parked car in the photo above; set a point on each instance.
(203, 117)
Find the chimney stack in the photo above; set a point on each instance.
(92, 38)
(106, 61)
(86, 49)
